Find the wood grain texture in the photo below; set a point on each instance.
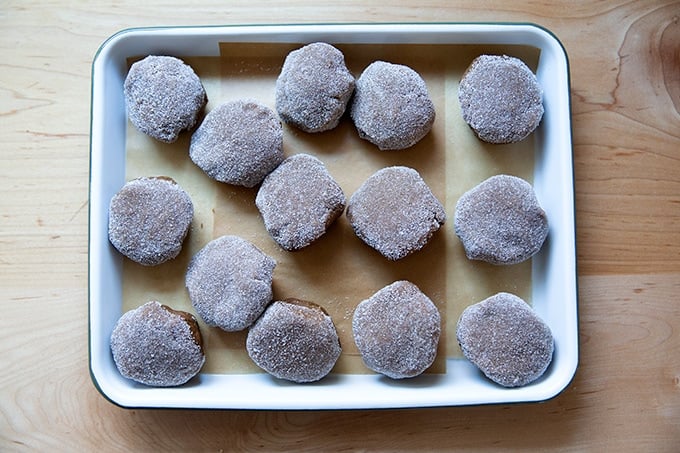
(625, 77)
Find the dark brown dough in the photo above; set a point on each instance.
(397, 330)
(500, 221)
(157, 346)
(238, 143)
(230, 282)
(395, 212)
(500, 99)
(164, 97)
(506, 340)
(314, 87)
(294, 340)
(149, 219)
(299, 201)
(391, 108)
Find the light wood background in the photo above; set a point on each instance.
(625, 75)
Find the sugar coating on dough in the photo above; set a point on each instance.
(156, 346)
(395, 212)
(391, 107)
(239, 143)
(314, 87)
(500, 221)
(230, 282)
(500, 99)
(506, 340)
(149, 219)
(163, 96)
(299, 201)
(294, 340)
(397, 330)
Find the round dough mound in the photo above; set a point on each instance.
(500, 99)
(395, 212)
(391, 108)
(230, 283)
(149, 219)
(294, 340)
(163, 96)
(299, 201)
(500, 221)
(397, 330)
(506, 340)
(157, 346)
(314, 87)
(238, 143)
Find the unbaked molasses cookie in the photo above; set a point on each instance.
(391, 108)
(314, 87)
(506, 340)
(395, 212)
(397, 330)
(238, 143)
(157, 346)
(163, 96)
(299, 201)
(500, 99)
(230, 282)
(500, 221)
(149, 219)
(294, 340)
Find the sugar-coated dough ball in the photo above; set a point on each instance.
(299, 201)
(397, 330)
(506, 340)
(230, 282)
(314, 87)
(391, 108)
(500, 221)
(500, 99)
(395, 212)
(163, 96)
(239, 143)
(157, 346)
(294, 340)
(149, 219)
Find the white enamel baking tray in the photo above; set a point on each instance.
(554, 287)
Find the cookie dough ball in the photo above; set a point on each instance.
(397, 330)
(391, 108)
(230, 283)
(238, 143)
(506, 340)
(314, 87)
(395, 212)
(157, 346)
(294, 340)
(149, 219)
(500, 221)
(299, 201)
(500, 99)
(164, 97)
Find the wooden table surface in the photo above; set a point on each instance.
(625, 82)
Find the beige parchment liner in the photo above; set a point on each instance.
(339, 270)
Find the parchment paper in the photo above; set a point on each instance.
(339, 270)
